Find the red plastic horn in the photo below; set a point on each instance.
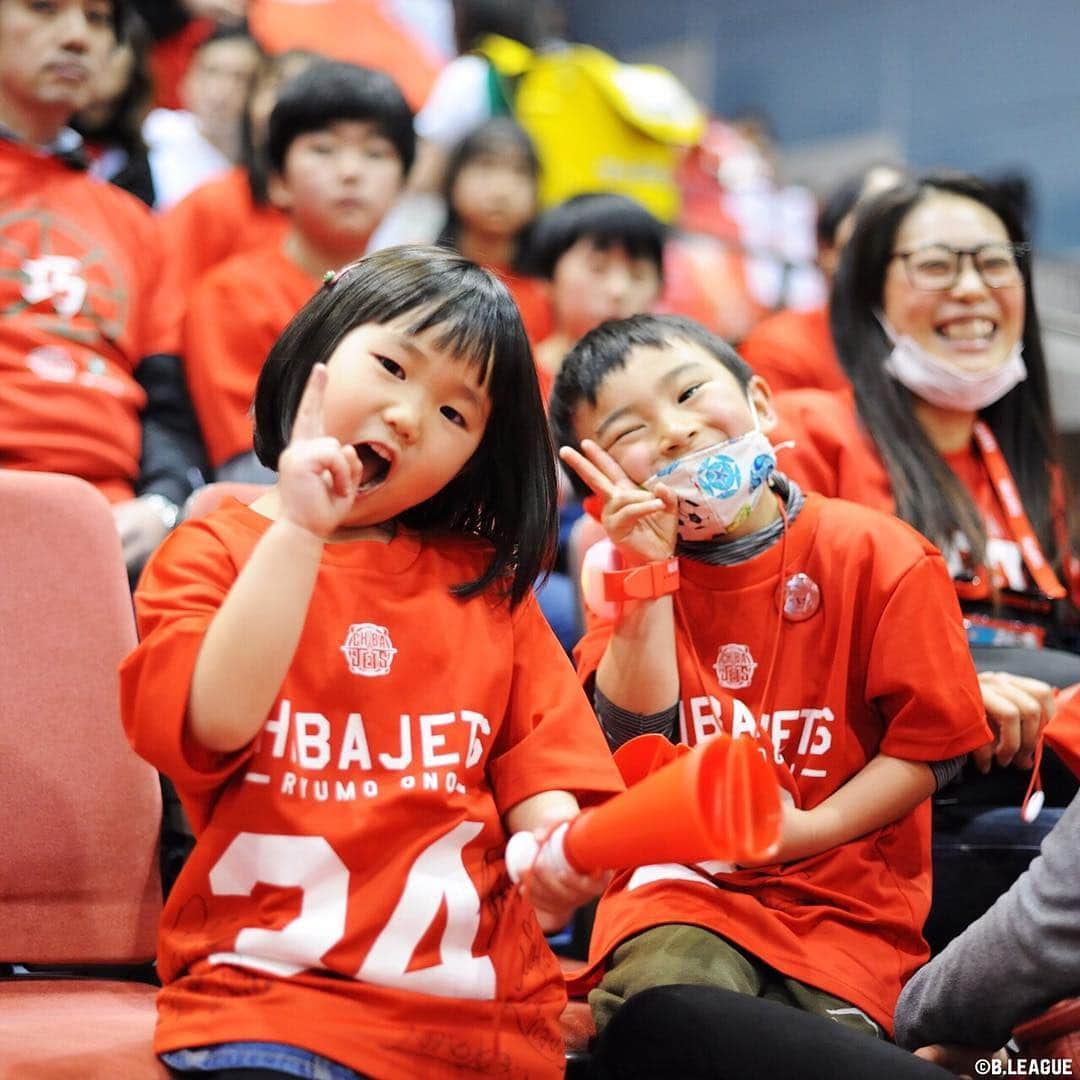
(720, 800)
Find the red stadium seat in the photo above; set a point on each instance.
(80, 884)
(1055, 1034)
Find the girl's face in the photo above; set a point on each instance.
(591, 285)
(495, 193)
(414, 412)
(970, 326)
(338, 184)
(669, 402)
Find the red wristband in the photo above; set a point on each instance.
(642, 582)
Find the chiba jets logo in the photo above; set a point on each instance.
(735, 666)
(368, 649)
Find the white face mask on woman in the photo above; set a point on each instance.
(719, 487)
(947, 386)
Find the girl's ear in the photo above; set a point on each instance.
(277, 191)
(761, 397)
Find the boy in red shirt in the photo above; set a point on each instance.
(340, 145)
(820, 628)
(90, 383)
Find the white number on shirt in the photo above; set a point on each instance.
(311, 864)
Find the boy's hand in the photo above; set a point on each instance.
(962, 1060)
(643, 525)
(317, 476)
(556, 893)
(1017, 709)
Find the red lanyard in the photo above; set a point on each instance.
(1019, 525)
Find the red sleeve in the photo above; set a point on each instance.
(920, 673)
(228, 331)
(550, 740)
(181, 590)
(832, 455)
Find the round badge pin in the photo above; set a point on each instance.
(802, 597)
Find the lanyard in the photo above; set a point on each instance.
(1019, 525)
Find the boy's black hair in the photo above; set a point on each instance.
(607, 348)
(506, 492)
(489, 138)
(254, 158)
(229, 32)
(332, 90)
(607, 220)
(928, 494)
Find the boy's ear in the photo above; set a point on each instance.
(761, 397)
(277, 191)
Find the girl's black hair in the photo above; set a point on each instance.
(928, 494)
(333, 90)
(845, 197)
(492, 137)
(254, 158)
(475, 19)
(607, 220)
(607, 348)
(506, 492)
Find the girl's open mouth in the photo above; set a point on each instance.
(375, 465)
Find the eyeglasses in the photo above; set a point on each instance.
(936, 267)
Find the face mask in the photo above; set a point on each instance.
(941, 384)
(718, 487)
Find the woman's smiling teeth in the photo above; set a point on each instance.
(976, 330)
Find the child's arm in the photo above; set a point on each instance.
(882, 791)
(252, 639)
(639, 671)
(554, 895)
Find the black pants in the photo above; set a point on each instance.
(704, 1033)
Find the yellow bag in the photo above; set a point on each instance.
(598, 124)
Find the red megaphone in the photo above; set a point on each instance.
(720, 800)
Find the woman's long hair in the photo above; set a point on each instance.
(928, 494)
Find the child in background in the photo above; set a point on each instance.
(490, 192)
(827, 631)
(603, 258)
(189, 146)
(351, 775)
(232, 213)
(340, 145)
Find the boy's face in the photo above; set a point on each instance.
(669, 402)
(50, 53)
(338, 183)
(591, 285)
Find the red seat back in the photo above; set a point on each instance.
(79, 876)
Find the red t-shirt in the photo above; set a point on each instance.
(79, 309)
(835, 456)
(348, 891)
(794, 349)
(215, 221)
(235, 315)
(533, 301)
(881, 667)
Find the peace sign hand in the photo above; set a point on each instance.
(317, 476)
(643, 525)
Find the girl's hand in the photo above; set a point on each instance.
(317, 476)
(556, 894)
(643, 525)
(1017, 709)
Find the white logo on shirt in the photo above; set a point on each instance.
(55, 278)
(735, 666)
(368, 649)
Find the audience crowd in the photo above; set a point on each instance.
(825, 492)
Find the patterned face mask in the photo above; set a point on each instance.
(718, 487)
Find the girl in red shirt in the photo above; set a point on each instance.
(356, 697)
(491, 199)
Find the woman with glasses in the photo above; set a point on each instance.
(948, 425)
